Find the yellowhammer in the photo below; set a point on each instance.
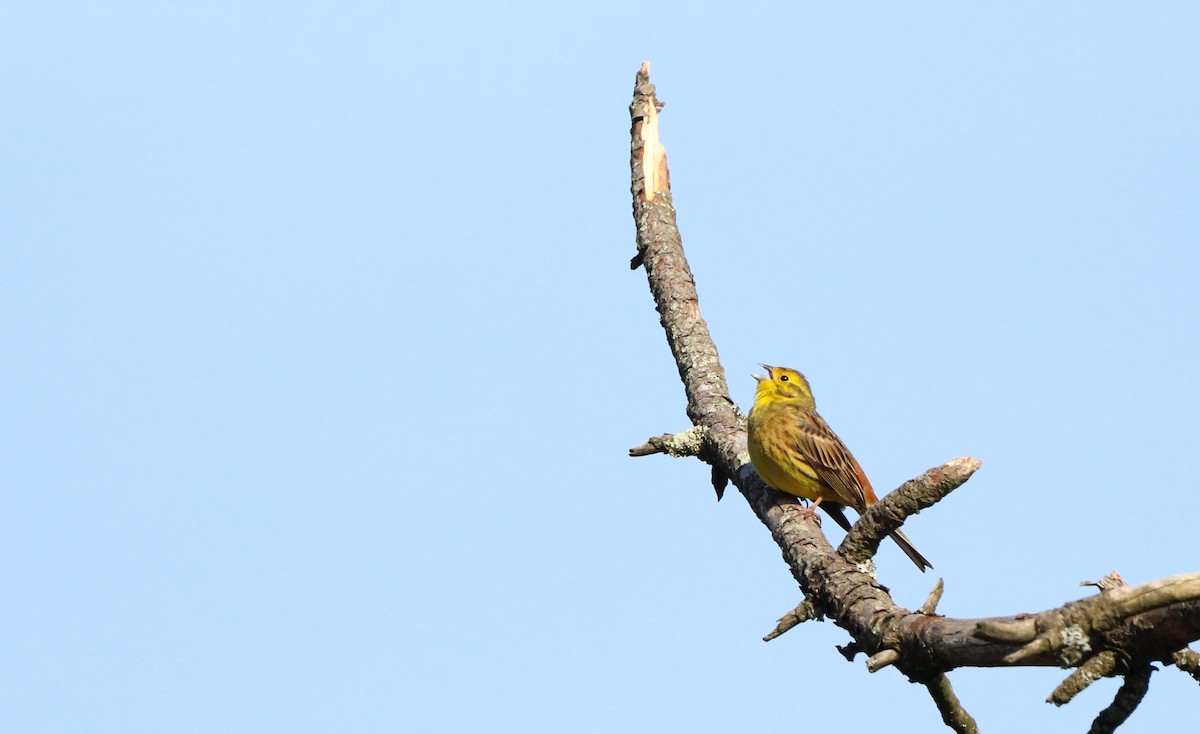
(795, 451)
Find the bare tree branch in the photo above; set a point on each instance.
(1102, 665)
(890, 512)
(953, 713)
(1137, 625)
(1129, 695)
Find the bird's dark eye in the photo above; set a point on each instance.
(783, 378)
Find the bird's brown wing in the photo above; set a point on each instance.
(831, 460)
(837, 468)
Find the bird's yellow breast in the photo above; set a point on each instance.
(778, 464)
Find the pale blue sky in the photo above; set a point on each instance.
(323, 355)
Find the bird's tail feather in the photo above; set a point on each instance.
(910, 551)
(837, 512)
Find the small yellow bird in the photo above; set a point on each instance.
(794, 450)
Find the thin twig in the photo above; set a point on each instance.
(1099, 666)
(953, 713)
(803, 612)
(882, 659)
(1111, 581)
(688, 443)
(934, 598)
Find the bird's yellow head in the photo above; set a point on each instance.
(783, 383)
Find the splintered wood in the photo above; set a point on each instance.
(654, 157)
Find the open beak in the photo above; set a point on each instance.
(767, 376)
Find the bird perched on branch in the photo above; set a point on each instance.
(794, 450)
